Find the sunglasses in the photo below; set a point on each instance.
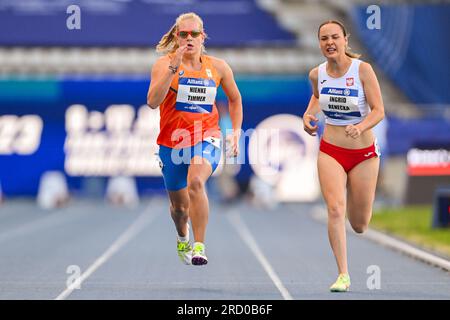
(193, 33)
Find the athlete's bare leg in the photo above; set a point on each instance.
(179, 210)
(199, 171)
(333, 180)
(361, 185)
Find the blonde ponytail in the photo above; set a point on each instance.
(168, 43)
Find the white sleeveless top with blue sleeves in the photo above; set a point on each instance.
(342, 99)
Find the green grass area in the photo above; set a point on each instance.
(414, 225)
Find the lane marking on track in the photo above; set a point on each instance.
(320, 214)
(407, 249)
(144, 219)
(247, 237)
(63, 216)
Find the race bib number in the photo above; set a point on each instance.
(340, 103)
(196, 95)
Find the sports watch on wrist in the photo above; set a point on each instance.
(173, 69)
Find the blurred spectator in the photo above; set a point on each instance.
(122, 191)
(93, 187)
(53, 191)
(262, 194)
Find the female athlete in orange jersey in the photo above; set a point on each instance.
(184, 84)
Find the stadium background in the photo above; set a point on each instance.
(72, 101)
(271, 45)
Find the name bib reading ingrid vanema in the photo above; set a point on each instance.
(196, 95)
(340, 103)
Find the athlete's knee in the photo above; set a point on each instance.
(359, 226)
(336, 210)
(195, 185)
(180, 208)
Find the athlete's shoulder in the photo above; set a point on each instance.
(365, 70)
(217, 62)
(314, 74)
(364, 65)
(162, 61)
(164, 58)
(220, 65)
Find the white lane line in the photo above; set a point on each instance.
(133, 230)
(319, 213)
(245, 234)
(48, 221)
(407, 249)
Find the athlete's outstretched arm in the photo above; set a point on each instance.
(372, 92)
(162, 76)
(313, 106)
(234, 102)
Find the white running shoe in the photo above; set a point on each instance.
(198, 254)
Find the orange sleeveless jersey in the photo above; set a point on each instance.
(188, 112)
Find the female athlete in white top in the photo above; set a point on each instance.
(347, 91)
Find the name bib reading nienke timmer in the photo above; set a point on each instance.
(196, 95)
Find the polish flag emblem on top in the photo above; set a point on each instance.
(350, 82)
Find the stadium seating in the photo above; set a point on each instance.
(136, 23)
